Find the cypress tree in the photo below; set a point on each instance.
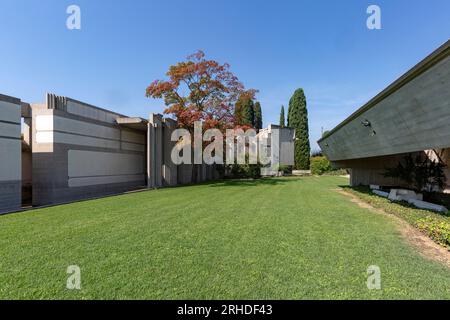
(258, 116)
(248, 113)
(298, 119)
(282, 121)
(244, 112)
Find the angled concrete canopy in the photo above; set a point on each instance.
(412, 115)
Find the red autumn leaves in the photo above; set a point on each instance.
(200, 90)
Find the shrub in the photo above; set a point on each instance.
(245, 171)
(320, 165)
(438, 230)
(285, 169)
(420, 172)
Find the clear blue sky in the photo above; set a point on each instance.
(273, 46)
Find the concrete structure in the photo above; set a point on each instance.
(70, 150)
(10, 153)
(280, 142)
(80, 151)
(412, 115)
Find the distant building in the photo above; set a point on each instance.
(281, 142)
(412, 115)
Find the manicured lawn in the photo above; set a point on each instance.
(270, 239)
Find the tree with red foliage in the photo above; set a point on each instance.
(210, 93)
(200, 90)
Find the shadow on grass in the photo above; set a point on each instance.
(253, 182)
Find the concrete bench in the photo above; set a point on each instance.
(301, 172)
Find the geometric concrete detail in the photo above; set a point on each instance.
(79, 151)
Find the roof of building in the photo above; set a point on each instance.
(438, 55)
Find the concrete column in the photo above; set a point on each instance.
(10, 154)
(155, 151)
(169, 170)
(149, 154)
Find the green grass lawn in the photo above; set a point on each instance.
(270, 239)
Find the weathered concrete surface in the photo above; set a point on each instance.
(73, 150)
(10, 154)
(281, 145)
(10, 195)
(413, 114)
(155, 151)
(79, 151)
(169, 169)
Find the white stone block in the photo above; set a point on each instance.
(404, 195)
(374, 187)
(427, 205)
(381, 193)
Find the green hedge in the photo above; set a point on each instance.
(320, 165)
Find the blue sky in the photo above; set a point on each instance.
(273, 46)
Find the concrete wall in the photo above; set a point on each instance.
(72, 150)
(10, 154)
(79, 151)
(410, 115)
